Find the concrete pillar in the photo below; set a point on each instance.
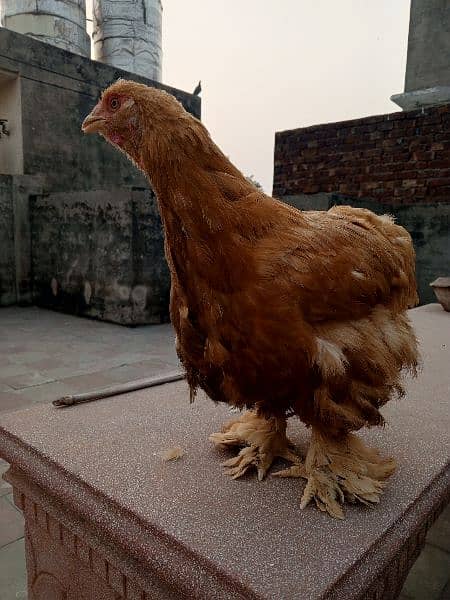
(61, 23)
(427, 79)
(127, 34)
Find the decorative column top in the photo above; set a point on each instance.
(427, 79)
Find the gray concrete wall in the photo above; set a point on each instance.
(7, 266)
(57, 90)
(428, 62)
(100, 254)
(428, 224)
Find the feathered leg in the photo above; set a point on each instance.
(264, 439)
(338, 468)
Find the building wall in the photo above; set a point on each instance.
(397, 163)
(11, 150)
(400, 158)
(57, 90)
(7, 265)
(428, 63)
(100, 254)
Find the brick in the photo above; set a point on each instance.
(420, 155)
(376, 135)
(401, 153)
(444, 135)
(439, 182)
(441, 164)
(310, 188)
(398, 116)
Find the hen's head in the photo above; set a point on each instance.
(127, 111)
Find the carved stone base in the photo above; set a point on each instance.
(108, 519)
(65, 560)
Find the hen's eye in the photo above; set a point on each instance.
(114, 103)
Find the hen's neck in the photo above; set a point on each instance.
(199, 190)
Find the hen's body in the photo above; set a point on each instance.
(277, 310)
(304, 315)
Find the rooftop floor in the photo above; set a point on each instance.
(44, 355)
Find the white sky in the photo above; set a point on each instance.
(269, 65)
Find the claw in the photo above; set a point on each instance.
(297, 470)
(342, 469)
(263, 440)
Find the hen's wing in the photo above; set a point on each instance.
(343, 262)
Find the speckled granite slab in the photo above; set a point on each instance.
(195, 533)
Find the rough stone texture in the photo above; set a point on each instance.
(122, 519)
(7, 270)
(57, 90)
(428, 62)
(15, 240)
(101, 254)
(397, 163)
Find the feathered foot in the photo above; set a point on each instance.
(341, 468)
(263, 440)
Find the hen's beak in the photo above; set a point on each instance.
(93, 122)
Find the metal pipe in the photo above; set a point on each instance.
(115, 390)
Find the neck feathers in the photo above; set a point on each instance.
(194, 180)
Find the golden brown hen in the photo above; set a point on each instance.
(280, 311)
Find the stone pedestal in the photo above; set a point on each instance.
(107, 518)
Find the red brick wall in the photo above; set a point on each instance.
(401, 158)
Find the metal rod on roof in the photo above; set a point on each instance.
(115, 390)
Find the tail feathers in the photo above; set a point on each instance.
(361, 364)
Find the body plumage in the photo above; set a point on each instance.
(276, 310)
